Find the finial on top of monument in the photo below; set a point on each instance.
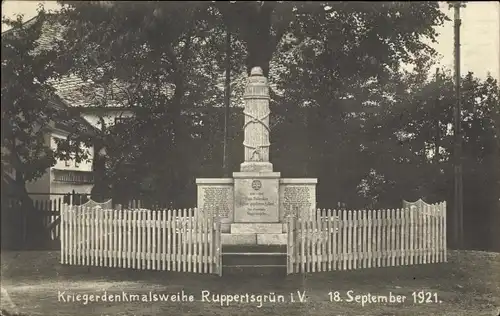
(257, 85)
(256, 71)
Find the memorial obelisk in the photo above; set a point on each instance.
(256, 128)
(256, 186)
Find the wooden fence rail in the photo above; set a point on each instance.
(38, 220)
(171, 240)
(51, 220)
(345, 240)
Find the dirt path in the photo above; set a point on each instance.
(6, 303)
(39, 285)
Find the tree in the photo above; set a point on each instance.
(263, 24)
(163, 78)
(129, 42)
(29, 105)
(412, 148)
(338, 63)
(392, 31)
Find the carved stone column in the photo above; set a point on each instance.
(256, 127)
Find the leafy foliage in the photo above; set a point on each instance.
(416, 158)
(25, 101)
(163, 76)
(30, 108)
(170, 73)
(29, 105)
(343, 110)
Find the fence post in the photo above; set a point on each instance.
(25, 224)
(219, 244)
(291, 243)
(61, 234)
(445, 235)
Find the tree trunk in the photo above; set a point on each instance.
(259, 41)
(26, 208)
(252, 22)
(257, 57)
(100, 190)
(178, 167)
(20, 189)
(173, 179)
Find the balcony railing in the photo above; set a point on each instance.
(71, 176)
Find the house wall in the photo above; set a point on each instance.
(109, 116)
(86, 165)
(71, 164)
(46, 183)
(58, 188)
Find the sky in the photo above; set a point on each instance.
(480, 34)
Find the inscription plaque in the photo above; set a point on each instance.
(217, 200)
(297, 199)
(256, 200)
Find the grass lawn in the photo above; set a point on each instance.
(469, 284)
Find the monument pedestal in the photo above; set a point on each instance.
(253, 206)
(256, 166)
(255, 234)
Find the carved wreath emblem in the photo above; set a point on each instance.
(256, 185)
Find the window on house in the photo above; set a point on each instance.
(67, 163)
(121, 119)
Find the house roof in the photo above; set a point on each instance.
(71, 89)
(72, 122)
(78, 93)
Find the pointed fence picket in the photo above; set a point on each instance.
(346, 239)
(185, 240)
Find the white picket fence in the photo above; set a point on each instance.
(190, 241)
(345, 240)
(172, 240)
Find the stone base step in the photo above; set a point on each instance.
(253, 253)
(254, 256)
(272, 239)
(254, 260)
(253, 239)
(238, 239)
(254, 248)
(254, 266)
(256, 228)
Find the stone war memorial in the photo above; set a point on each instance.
(253, 205)
(255, 221)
